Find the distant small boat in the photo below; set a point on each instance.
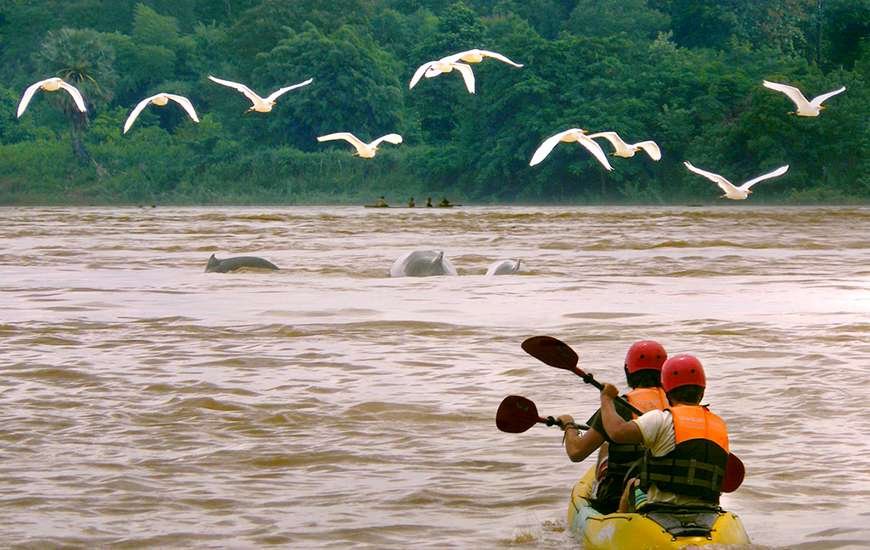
(410, 207)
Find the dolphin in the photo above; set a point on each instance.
(422, 263)
(503, 267)
(216, 265)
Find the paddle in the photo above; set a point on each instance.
(517, 414)
(557, 353)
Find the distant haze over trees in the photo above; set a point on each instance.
(685, 73)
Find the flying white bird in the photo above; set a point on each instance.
(503, 267)
(623, 149)
(447, 64)
(434, 68)
(364, 150)
(261, 104)
(804, 107)
(732, 192)
(51, 85)
(160, 100)
(568, 136)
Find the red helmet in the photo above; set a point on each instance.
(645, 355)
(683, 370)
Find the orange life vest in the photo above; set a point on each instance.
(647, 399)
(696, 466)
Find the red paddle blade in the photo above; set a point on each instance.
(735, 471)
(551, 351)
(516, 414)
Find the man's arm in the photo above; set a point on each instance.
(617, 429)
(579, 447)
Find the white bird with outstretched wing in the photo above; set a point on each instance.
(804, 106)
(160, 100)
(364, 150)
(577, 135)
(731, 191)
(627, 150)
(260, 104)
(51, 85)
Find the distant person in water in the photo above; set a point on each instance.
(428, 202)
(444, 203)
(381, 202)
(411, 203)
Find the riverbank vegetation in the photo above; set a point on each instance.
(685, 73)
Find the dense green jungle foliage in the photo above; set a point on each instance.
(685, 73)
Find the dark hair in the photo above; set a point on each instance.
(686, 394)
(646, 378)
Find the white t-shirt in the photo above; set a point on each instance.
(657, 428)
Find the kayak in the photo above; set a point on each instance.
(660, 528)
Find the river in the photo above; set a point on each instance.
(147, 403)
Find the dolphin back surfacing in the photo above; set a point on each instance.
(422, 263)
(216, 265)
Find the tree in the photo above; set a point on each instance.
(845, 29)
(607, 17)
(83, 58)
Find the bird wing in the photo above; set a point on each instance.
(500, 57)
(793, 93)
(278, 93)
(28, 95)
(184, 102)
(76, 95)
(135, 112)
(592, 146)
(651, 148)
(347, 136)
(419, 73)
(817, 101)
(613, 138)
(467, 75)
(483, 53)
(778, 172)
(546, 147)
(249, 93)
(724, 184)
(395, 139)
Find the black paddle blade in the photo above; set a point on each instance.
(516, 414)
(551, 351)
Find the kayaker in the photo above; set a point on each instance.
(381, 202)
(686, 444)
(411, 203)
(642, 367)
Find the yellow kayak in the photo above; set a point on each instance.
(654, 530)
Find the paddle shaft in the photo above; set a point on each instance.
(550, 421)
(589, 379)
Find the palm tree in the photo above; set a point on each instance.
(83, 58)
